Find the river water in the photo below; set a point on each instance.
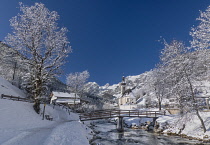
(106, 134)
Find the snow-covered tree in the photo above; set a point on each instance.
(159, 85)
(76, 81)
(41, 44)
(171, 59)
(183, 68)
(201, 41)
(91, 89)
(201, 33)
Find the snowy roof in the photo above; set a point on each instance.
(61, 97)
(130, 95)
(62, 94)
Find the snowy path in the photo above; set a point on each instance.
(20, 125)
(31, 136)
(75, 134)
(62, 133)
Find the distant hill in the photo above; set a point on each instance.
(143, 91)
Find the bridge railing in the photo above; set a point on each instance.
(102, 114)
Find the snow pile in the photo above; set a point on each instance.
(188, 125)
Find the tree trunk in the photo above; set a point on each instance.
(75, 95)
(201, 120)
(37, 93)
(13, 76)
(37, 106)
(159, 105)
(196, 105)
(75, 99)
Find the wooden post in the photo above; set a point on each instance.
(43, 112)
(207, 103)
(120, 124)
(53, 105)
(13, 76)
(154, 120)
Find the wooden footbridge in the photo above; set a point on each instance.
(104, 114)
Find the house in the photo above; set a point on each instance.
(67, 98)
(127, 96)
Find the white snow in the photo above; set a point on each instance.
(62, 94)
(20, 125)
(7, 88)
(192, 128)
(136, 120)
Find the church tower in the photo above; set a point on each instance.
(123, 85)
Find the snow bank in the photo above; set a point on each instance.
(19, 115)
(189, 125)
(17, 121)
(136, 120)
(7, 88)
(19, 124)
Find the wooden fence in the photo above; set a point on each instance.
(14, 98)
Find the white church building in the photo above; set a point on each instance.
(127, 100)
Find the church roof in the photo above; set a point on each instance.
(130, 95)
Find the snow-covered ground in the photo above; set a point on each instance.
(192, 125)
(20, 125)
(7, 88)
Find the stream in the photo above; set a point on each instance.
(106, 134)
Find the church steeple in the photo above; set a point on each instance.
(123, 85)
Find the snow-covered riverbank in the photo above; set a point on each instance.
(187, 126)
(106, 134)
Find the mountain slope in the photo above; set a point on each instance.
(7, 88)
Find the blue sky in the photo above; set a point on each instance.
(111, 38)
